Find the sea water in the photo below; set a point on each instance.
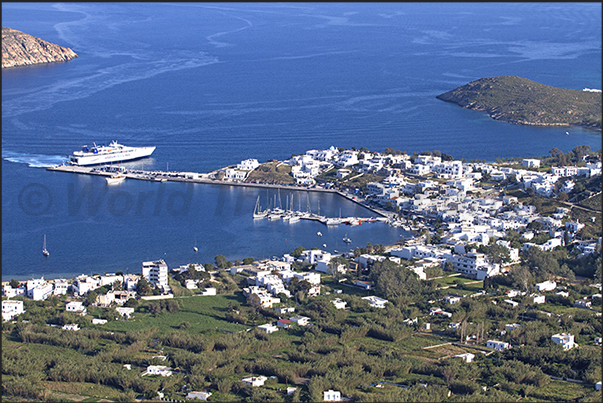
(212, 84)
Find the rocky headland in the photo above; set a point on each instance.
(21, 49)
(521, 101)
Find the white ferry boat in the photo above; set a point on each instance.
(105, 154)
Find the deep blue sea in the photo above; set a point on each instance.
(212, 84)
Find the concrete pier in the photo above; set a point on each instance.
(195, 177)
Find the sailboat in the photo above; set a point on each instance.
(346, 239)
(195, 247)
(256, 211)
(44, 250)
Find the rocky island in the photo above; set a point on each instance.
(521, 101)
(21, 49)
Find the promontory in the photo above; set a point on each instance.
(21, 49)
(521, 101)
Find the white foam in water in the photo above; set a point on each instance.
(34, 160)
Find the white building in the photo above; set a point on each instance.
(268, 328)
(33, 283)
(474, 265)
(10, 292)
(10, 309)
(546, 286)
(72, 326)
(209, 291)
(538, 298)
(234, 174)
(76, 307)
(60, 287)
(255, 381)
(41, 292)
(331, 396)
(156, 272)
(300, 320)
(248, 165)
(83, 284)
(566, 340)
(125, 312)
(530, 163)
(498, 345)
(198, 395)
(467, 357)
(159, 370)
(375, 302)
(339, 304)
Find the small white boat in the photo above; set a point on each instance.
(44, 250)
(294, 218)
(319, 233)
(346, 239)
(195, 247)
(115, 179)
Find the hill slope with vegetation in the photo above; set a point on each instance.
(522, 101)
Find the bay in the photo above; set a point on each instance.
(211, 84)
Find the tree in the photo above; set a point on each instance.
(248, 260)
(393, 281)
(379, 249)
(131, 303)
(91, 297)
(298, 251)
(143, 287)
(14, 283)
(521, 278)
(498, 254)
(221, 261)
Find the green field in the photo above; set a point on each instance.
(201, 312)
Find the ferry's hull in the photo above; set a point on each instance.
(97, 159)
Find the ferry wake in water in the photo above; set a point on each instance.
(34, 160)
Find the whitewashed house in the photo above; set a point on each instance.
(375, 301)
(158, 370)
(76, 307)
(331, 396)
(198, 395)
(538, 298)
(268, 328)
(546, 286)
(125, 312)
(300, 320)
(467, 357)
(498, 345)
(11, 309)
(10, 292)
(255, 381)
(339, 304)
(566, 340)
(248, 164)
(60, 287)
